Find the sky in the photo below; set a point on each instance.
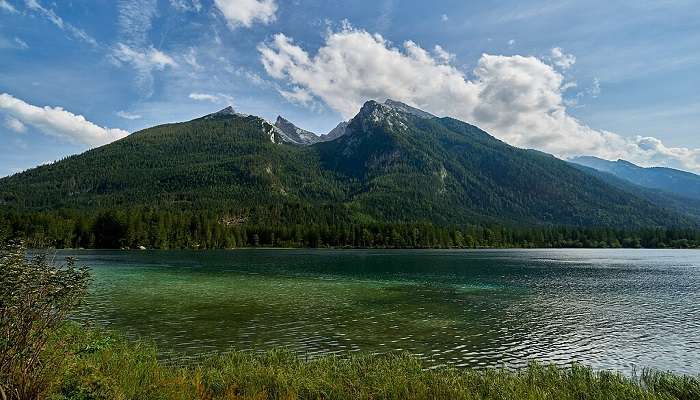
(614, 79)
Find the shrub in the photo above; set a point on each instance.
(36, 296)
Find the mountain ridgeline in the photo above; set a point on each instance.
(669, 180)
(391, 164)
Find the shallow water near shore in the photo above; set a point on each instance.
(609, 309)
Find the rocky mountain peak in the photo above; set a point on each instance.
(224, 113)
(340, 130)
(403, 107)
(392, 111)
(283, 123)
(374, 114)
(291, 133)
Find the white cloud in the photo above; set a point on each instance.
(6, 6)
(191, 59)
(15, 125)
(562, 60)
(444, 18)
(128, 115)
(442, 54)
(204, 97)
(518, 99)
(594, 91)
(676, 157)
(214, 98)
(247, 12)
(58, 122)
(298, 95)
(144, 61)
(186, 5)
(21, 43)
(14, 44)
(135, 19)
(51, 15)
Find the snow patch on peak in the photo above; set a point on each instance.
(403, 107)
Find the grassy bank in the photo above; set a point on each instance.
(103, 366)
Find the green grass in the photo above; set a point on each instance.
(104, 366)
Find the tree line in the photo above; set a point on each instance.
(157, 229)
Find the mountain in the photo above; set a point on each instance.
(392, 164)
(337, 132)
(221, 162)
(292, 134)
(225, 113)
(409, 167)
(666, 200)
(405, 108)
(669, 180)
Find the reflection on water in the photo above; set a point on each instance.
(616, 309)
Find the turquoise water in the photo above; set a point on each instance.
(611, 309)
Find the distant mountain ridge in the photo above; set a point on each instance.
(391, 163)
(680, 183)
(666, 200)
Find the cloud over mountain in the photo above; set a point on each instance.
(212, 97)
(58, 122)
(519, 99)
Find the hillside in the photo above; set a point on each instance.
(390, 164)
(663, 199)
(220, 162)
(669, 180)
(411, 165)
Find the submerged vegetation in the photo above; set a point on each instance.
(45, 357)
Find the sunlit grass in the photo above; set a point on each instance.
(104, 366)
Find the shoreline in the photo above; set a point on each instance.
(103, 364)
(375, 248)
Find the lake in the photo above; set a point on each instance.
(609, 309)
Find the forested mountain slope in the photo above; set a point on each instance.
(673, 181)
(410, 166)
(392, 164)
(663, 199)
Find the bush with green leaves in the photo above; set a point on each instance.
(36, 297)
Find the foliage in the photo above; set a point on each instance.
(124, 370)
(159, 229)
(35, 297)
(393, 169)
(668, 180)
(667, 199)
